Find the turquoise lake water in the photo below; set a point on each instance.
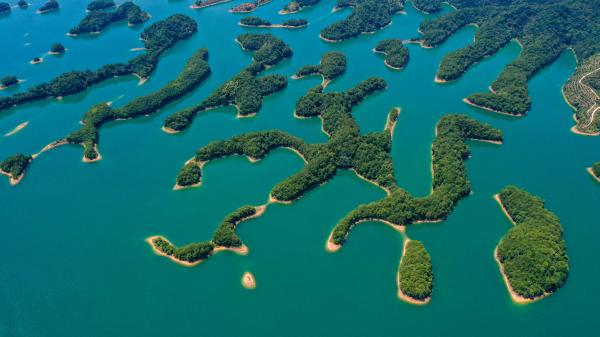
(75, 263)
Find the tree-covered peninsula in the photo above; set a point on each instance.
(157, 38)
(544, 29)
(194, 72)
(532, 255)
(369, 157)
(415, 275)
(245, 90)
(51, 5)
(367, 16)
(96, 21)
(14, 167)
(97, 5)
(224, 238)
(297, 5)
(332, 65)
(4, 7)
(396, 54)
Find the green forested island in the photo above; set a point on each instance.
(96, 21)
(57, 48)
(51, 5)
(8, 81)
(332, 65)
(297, 5)
(245, 90)
(195, 71)
(544, 29)
(367, 16)
(14, 167)
(396, 54)
(157, 38)
(532, 255)
(4, 7)
(100, 4)
(415, 275)
(23, 4)
(254, 21)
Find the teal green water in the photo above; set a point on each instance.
(74, 261)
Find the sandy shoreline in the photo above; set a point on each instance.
(248, 281)
(389, 125)
(466, 100)
(87, 160)
(150, 241)
(200, 165)
(439, 80)
(13, 181)
(16, 129)
(385, 61)
(591, 171)
(387, 191)
(142, 80)
(419, 42)
(402, 295)
(332, 247)
(169, 130)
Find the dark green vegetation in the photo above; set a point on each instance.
(245, 90)
(450, 181)
(190, 253)
(295, 23)
(49, 6)
(4, 7)
(332, 65)
(194, 72)
(224, 236)
(596, 169)
(254, 21)
(298, 5)
(100, 4)
(15, 165)
(189, 175)
(415, 272)
(367, 16)
(57, 48)
(369, 156)
(9, 81)
(396, 54)
(544, 28)
(96, 21)
(533, 252)
(23, 4)
(157, 38)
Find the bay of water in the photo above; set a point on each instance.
(74, 261)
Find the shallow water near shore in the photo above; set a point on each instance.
(74, 260)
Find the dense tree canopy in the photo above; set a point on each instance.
(254, 21)
(596, 169)
(100, 4)
(51, 5)
(533, 252)
(15, 165)
(544, 28)
(57, 48)
(157, 38)
(4, 7)
(298, 5)
(396, 54)
(332, 65)
(367, 16)
(96, 21)
(9, 81)
(23, 4)
(415, 272)
(245, 90)
(195, 71)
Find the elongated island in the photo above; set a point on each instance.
(532, 256)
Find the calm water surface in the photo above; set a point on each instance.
(75, 263)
